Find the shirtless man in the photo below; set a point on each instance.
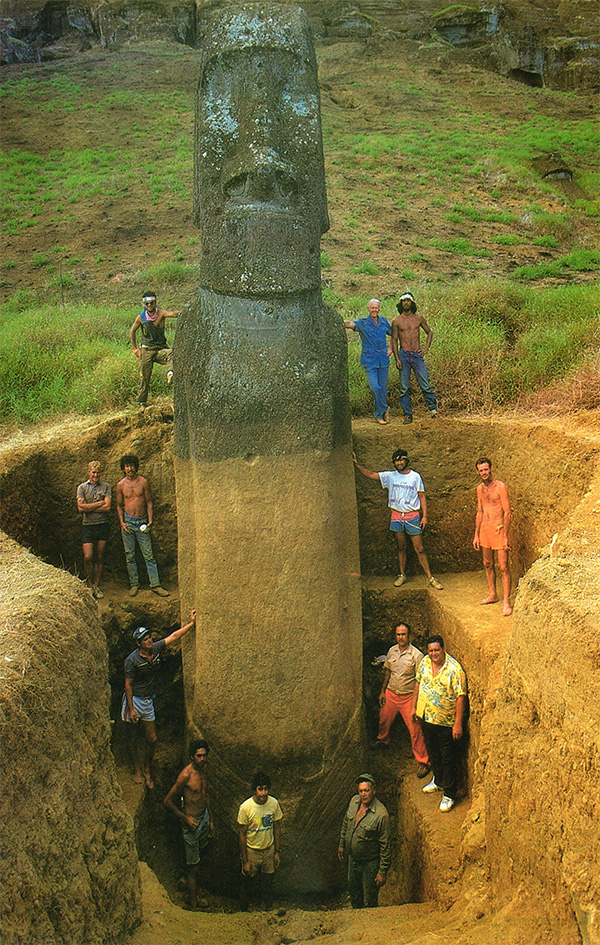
(135, 510)
(195, 814)
(492, 531)
(154, 345)
(411, 357)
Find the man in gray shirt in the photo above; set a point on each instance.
(365, 837)
(93, 499)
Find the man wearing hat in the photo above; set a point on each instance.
(141, 668)
(410, 356)
(365, 837)
(154, 345)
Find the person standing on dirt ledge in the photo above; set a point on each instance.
(365, 837)
(195, 814)
(141, 668)
(440, 702)
(395, 698)
(410, 356)
(94, 499)
(154, 345)
(259, 829)
(375, 355)
(135, 510)
(409, 510)
(492, 532)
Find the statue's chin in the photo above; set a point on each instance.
(261, 254)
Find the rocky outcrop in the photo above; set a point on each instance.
(541, 44)
(69, 866)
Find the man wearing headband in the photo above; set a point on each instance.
(154, 345)
(411, 357)
(375, 355)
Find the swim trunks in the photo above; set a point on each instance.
(490, 538)
(409, 522)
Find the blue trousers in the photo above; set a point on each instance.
(412, 360)
(378, 382)
(145, 542)
(364, 891)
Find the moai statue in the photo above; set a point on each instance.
(267, 522)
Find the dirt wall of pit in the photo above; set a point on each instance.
(39, 482)
(546, 473)
(69, 870)
(540, 745)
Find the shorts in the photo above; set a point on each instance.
(143, 707)
(409, 522)
(490, 538)
(195, 841)
(98, 532)
(261, 861)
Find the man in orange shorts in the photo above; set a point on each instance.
(492, 531)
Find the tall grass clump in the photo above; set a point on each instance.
(58, 361)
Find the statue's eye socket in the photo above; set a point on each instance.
(237, 186)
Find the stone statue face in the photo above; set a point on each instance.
(259, 177)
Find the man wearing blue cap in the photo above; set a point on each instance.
(141, 668)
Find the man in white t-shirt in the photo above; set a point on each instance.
(259, 820)
(408, 505)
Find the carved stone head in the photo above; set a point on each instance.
(259, 179)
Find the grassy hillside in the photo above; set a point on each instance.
(432, 184)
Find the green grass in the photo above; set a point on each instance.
(493, 342)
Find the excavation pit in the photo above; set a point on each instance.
(515, 727)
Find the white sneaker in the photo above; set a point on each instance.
(446, 803)
(169, 377)
(431, 787)
(400, 580)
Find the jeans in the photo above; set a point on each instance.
(378, 382)
(442, 750)
(145, 542)
(362, 887)
(415, 361)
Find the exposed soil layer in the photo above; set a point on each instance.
(516, 860)
(69, 863)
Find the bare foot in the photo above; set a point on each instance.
(492, 599)
(138, 779)
(506, 610)
(149, 781)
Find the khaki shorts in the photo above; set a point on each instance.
(261, 861)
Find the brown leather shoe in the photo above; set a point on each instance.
(423, 770)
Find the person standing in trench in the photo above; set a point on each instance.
(141, 670)
(365, 838)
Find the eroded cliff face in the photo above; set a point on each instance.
(552, 43)
(69, 866)
(540, 755)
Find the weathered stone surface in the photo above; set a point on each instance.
(268, 537)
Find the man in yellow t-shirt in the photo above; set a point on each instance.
(259, 826)
(439, 702)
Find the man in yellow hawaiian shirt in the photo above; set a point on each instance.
(440, 702)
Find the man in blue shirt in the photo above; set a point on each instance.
(375, 355)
